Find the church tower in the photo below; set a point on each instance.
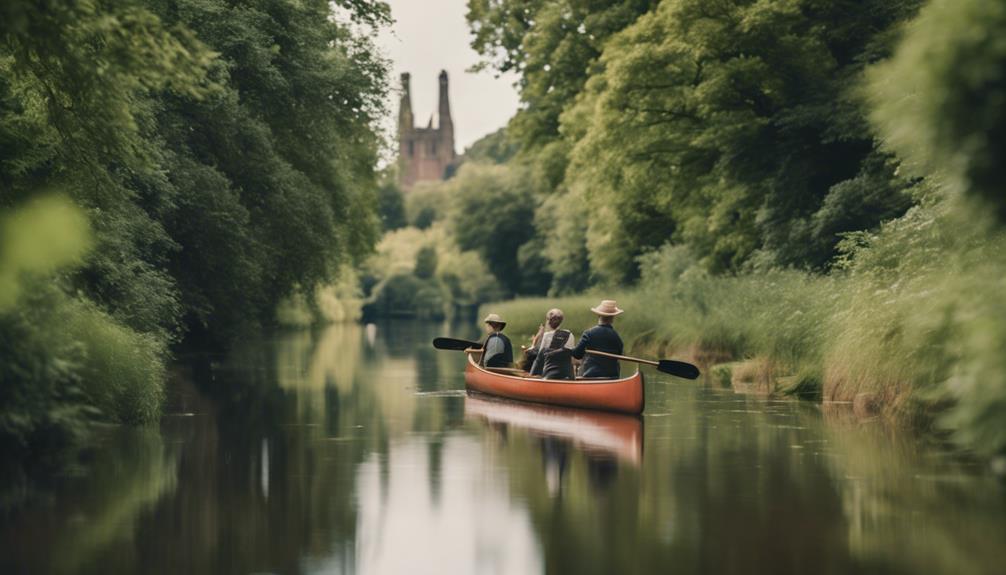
(424, 153)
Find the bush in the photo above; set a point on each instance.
(63, 364)
(63, 361)
(121, 371)
(42, 409)
(426, 204)
(330, 303)
(927, 322)
(405, 295)
(448, 279)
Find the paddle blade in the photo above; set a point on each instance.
(454, 344)
(678, 368)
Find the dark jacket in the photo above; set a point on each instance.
(556, 361)
(504, 359)
(601, 337)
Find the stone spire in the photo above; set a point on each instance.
(446, 124)
(425, 153)
(405, 106)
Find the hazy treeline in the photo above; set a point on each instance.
(442, 239)
(815, 183)
(169, 170)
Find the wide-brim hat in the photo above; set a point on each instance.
(494, 318)
(607, 308)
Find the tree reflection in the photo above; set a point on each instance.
(353, 449)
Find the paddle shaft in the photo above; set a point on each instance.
(625, 357)
(595, 352)
(449, 343)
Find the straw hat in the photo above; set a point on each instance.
(607, 308)
(493, 318)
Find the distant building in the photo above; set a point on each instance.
(424, 153)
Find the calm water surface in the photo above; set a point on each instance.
(356, 450)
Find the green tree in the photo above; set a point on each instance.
(289, 141)
(493, 216)
(729, 128)
(561, 223)
(390, 205)
(939, 103)
(224, 155)
(495, 148)
(426, 262)
(553, 46)
(427, 203)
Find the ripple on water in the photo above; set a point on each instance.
(442, 393)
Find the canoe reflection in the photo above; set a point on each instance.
(598, 434)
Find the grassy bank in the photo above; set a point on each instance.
(779, 318)
(908, 325)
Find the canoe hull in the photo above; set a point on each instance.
(620, 395)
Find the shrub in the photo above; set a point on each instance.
(122, 371)
(42, 411)
(405, 295)
(64, 363)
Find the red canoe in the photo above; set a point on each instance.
(621, 395)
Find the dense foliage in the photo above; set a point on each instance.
(939, 102)
(727, 126)
(223, 155)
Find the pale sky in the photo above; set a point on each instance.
(432, 35)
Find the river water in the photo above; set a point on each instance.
(355, 450)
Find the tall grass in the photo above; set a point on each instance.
(121, 371)
(926, 325)
(780, 314)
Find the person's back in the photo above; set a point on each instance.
(497, 351)
(555, 361)
(601, 337)
(552, 354)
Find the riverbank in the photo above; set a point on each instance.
(756, 331)
(767, 334)
(904, 329)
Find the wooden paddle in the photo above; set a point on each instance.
(669, 366)
(455, 344)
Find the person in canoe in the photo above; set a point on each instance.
(552, 348)
(497, 351)
(601, 337)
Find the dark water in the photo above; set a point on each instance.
(355, 450)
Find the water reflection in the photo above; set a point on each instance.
(92, 525)
(355, 449)
(596, 433)
(467, 525)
